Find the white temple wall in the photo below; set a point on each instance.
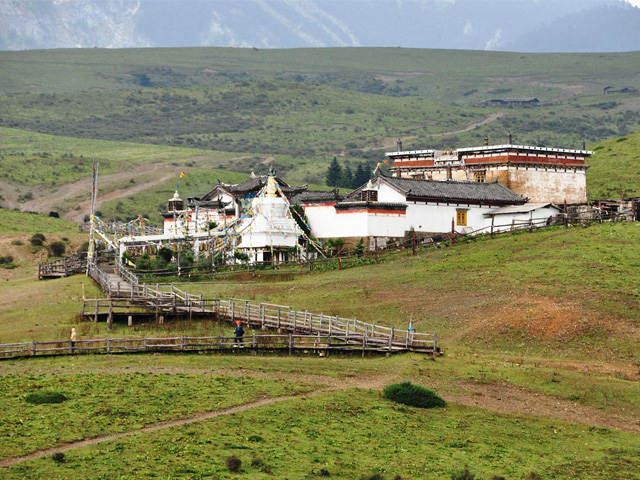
(436, 218)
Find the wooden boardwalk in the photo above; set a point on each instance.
(290, 343)
(128, 298)
(75, 263)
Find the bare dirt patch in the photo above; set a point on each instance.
(567, 89)
(393, 77)
(510, 399)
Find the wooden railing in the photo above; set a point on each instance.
(63, 267)
(258, 315)
(160, 298)
(278, 343)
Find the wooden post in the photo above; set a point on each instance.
(435, 345)
(290, 343)
(110, 317)
(95, 318)
(261, 307)
(278, 317)
(364, 344)
(33, 348)
(219, 343)
(247, 311)
(231, 308)
(146, 346)
(295, 320)
(108, 345)
(413, 244)
(391, 339)
(453, 232)
(493, 217)
(375, 249)
(182, 343)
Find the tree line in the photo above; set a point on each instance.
(345, 177)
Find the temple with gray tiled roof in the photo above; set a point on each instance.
(389, 207)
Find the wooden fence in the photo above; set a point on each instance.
(291, 343)
(63, 267)
(168, 299)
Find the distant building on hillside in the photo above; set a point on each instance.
(540, 174)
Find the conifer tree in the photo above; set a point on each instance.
(361, 176)
(334, 173)
(347, 177)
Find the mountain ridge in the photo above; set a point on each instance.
(524, 25)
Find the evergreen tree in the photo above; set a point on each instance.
(361, 176)
(334, 173)
(347, 177)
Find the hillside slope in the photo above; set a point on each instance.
(615, 168)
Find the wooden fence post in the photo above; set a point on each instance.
(110, 317)
(435, 345)
(290, 343)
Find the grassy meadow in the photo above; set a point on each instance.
(540, 331)
(540, 370)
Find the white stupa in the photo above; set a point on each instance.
(269, 233)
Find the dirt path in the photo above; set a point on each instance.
(151, 428)
(390, 142)
(146, 176)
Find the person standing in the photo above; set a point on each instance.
(73, 338)
(239, 333)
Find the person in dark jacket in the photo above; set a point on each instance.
(239, 332)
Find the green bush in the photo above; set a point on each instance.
(6, 260)
(37, 239)
(40, 398)
(17, 242)
(463, 474)
(58, 249)
(144, 262)
(413, 395)
(58, 457)
(234, 463)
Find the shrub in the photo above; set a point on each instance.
(17, 242)
(37, 239)
(413, 395)
(373, 476)
(144, 262)
(463, 474)
(6, 259)
(324, 473)
(234, 463)
(58, 457)
(58, 249)
(255, 438)
(39, 398)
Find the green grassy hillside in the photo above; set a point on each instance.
(446, 73)
(306, 106)
(615, 169)
(539, 330)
